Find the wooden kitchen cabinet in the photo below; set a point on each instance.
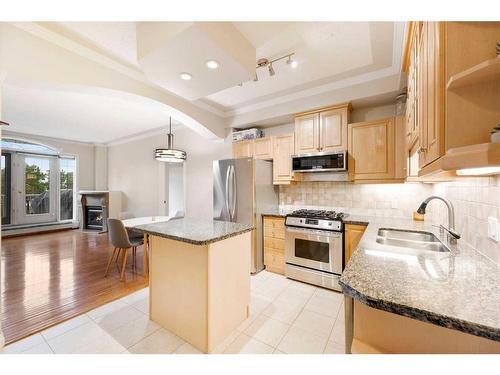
(263, 148)
(274, 244)
(243, 149)
(411, 115)
(352, 236)
(307, 133)
(431, 94)
(323, 130)
(283, 148)
(447, 113)
(374, 153)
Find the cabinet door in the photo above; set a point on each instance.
(333, 130)
(434, 124)
(263, 148)
(371, 150)
(307, 133)
(353, 234)
(243, 149)
(422, 95)
(282, 161)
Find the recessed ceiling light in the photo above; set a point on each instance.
(185, 76)
(212, 64)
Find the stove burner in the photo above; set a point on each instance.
(318, 214)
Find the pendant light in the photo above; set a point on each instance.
(169, 154)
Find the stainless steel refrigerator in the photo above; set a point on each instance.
(243, 190)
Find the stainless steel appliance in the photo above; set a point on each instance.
(320, 162)
(243, 190)
(314, 247)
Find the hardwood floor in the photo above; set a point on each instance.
(49, 278)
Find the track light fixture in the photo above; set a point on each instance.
(263, 62)
(271, 70)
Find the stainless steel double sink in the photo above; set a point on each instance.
(410, 239)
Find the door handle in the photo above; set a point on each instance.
(233, 193)
(226, 192)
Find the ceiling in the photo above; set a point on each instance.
(88, 116)
(325, 52)
(337, 62)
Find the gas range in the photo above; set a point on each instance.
(314, 247)
(316, 219)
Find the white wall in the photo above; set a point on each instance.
(373, 113)
(133, 170)
(101, 167)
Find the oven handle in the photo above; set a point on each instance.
(314, 231)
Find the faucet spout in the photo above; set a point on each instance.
(451, 214)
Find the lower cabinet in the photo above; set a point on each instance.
(352, 236)
(274, 244)
(379, 332)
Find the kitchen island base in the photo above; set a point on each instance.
(200, 292)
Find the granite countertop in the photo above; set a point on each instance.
(458, 290)
(195, 231)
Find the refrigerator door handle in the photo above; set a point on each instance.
(226, 192)
(233, 193)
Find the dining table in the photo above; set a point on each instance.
(131, 223)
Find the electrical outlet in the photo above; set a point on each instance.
(394, 203)
(493, 228)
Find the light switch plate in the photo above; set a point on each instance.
(394, 203)
(493, 228)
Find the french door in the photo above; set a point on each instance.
(35, 188)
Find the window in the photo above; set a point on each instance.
(67, 172)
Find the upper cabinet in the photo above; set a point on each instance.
(243, 149)
(307, 133)
(263, 148)
(323, 130)
(283, 146)
(376, 151)
(450, 106)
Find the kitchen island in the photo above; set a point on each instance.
(409, 300)
(199, 285)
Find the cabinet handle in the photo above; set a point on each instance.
(421, 150)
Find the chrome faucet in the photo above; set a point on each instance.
(454, 235)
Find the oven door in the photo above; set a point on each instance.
(319, 250)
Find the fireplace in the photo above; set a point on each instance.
(95, 207)
(94, 217)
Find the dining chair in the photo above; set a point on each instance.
(121, 242)
(132, 234)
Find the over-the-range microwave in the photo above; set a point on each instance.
(320, 162)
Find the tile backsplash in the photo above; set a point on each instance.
(389, 200)
(474, 199)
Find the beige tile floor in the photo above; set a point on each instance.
(286, 317)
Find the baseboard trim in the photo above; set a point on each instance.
(46, 228)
